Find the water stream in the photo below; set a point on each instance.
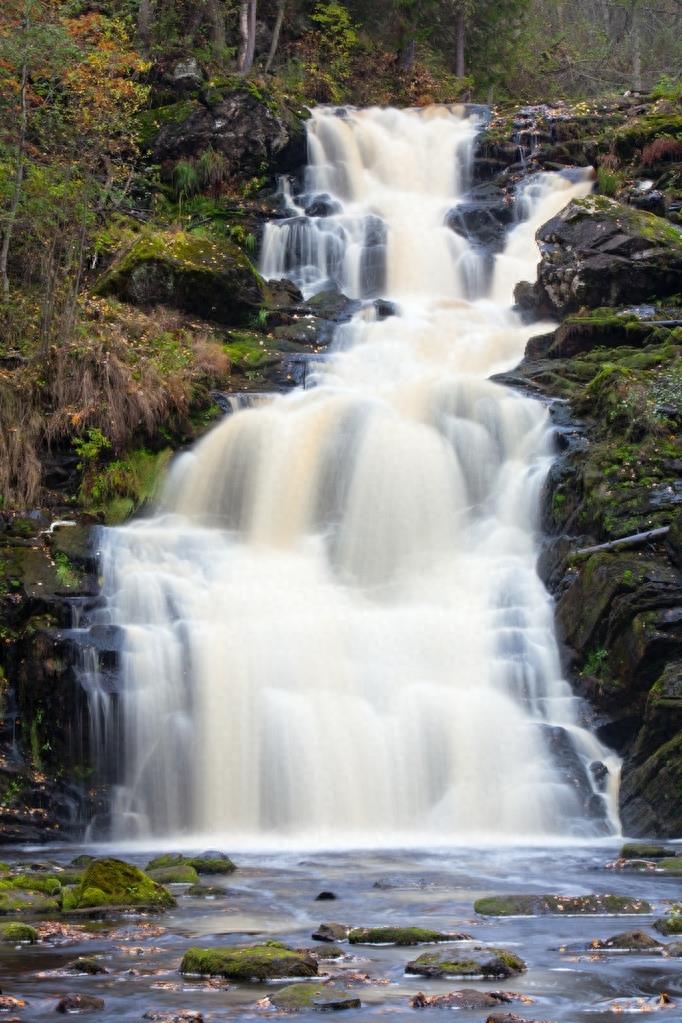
(333, 630)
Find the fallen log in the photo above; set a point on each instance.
(634, 540)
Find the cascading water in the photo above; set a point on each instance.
(333, 627)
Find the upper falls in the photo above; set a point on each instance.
(333, 629)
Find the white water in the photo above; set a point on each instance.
(333, 627)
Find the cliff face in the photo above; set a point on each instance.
(612, 371)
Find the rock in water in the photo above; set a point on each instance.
(271, 961)
(479, 962)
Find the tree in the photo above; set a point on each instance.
(276, 32)
(247, 34)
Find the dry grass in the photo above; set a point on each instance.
(663, 149)
(128, 373)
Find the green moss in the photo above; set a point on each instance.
(150, 122)
(255, 963)
(316, 997)
(24, 901)
(125, 485)
(181, 874)
(644, 851)
(485, 962)
(671, 924)
(542, 905)
(671, 865)
(213, 864)
(18, 933)
(395, 936)
(110, 882)
(31, 883)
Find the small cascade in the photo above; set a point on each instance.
(332, 630)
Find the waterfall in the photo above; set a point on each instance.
(332, 628)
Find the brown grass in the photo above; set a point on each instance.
(663, 149)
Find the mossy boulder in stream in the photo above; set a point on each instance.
(27, 895)
(206, 863)
(670, 924)
(315, 997)
(645, 851)
(565, 905)
(400, 936)
(210, 277)
(114, 883)
(182, 874)
(270, 961)
(18, 934)
(479, 962)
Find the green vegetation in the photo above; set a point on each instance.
(18, 934)
(113, 883)
(542, 905)
(255, 963)
(395, 936)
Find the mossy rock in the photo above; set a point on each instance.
(114, 883)
(181, 874)
(213, 863)
(630, 941)
(328, 952)
(315, 997)
(18, 933)
(150, 122)
(33, 883)
(399, 936)
(670, 924)
(83, 860)
(480, 962)
(209, 277)
(270, 961)
(26, 901)
(645, 851)
(205, 891)
(672, 865)
(564, 905)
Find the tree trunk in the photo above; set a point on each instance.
(18, 179)
(636, 49)
(217, 16)
(144, 25)
(247, 33)
(281, 6)
(460, 65)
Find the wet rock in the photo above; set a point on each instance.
(182, 874)
(212, 862)
(323, 206)
(284, 295)
(629, 941)
(403, 936)
(670, 924)
(673, 950)
(18, 934)
(597, 253)
(645, 851)
(332, 305)
(477, 962)
(270, 961)
(211, 278)
(79, 1003)
(384, 308)
(467, 1000)
(566, 905)
(206, 891)
(174, 1016)
(331, 932)
(109, 883)
(316, 997)
(87, 965)
(325, 951)
(325, 897)
(8, 1003)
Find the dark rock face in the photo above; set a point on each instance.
(246, 130)
(483, 216)
(598, 252)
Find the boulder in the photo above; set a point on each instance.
(110, 883)
(72, 1004)
(314, 997)
(271, 961)
(645, 851)
(18, 934)
(463, 1000)
(598, 252)
(248, 128)
(86, 965)
(477, 962)
(181, 874)
(331, 932)
(629, 941)
(670, 924)
(212, 862)
(211, 278)
(401, 936)
(564, 905)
